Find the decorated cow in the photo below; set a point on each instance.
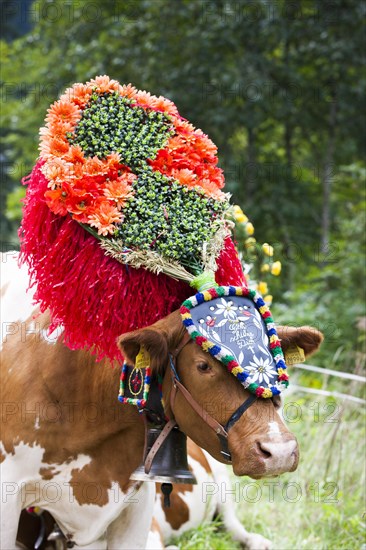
(124, 216)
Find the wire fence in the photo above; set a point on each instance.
(329, 393)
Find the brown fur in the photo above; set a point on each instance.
(178, 512)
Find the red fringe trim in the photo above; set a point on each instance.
(93, 296)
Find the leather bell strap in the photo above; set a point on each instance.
(216, 426)
(158, 443)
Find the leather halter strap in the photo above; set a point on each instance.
(220, 430)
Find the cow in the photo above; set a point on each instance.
(68, 445)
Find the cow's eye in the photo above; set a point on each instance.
(203, 367)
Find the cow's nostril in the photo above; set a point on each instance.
(263, 450)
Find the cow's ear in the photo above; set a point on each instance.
(153, 341)
(307, 338)
(157, 340)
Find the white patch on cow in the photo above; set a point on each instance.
(36, 423)
(17, 303)
(131, 527)
(154, 541)
(281, 453)
(23, 466)
(274, 429)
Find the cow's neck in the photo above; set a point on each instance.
(87, 391)
(68, 405)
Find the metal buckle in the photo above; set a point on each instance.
(224, 447)
(226, 455)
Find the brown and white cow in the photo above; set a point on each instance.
(68, 446)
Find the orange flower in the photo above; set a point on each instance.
(205, 146)
(165, 105)
(210, 189)
(113, 163)
(78, 170)
(57, 170)
(104, 84)
(78, 94)
(120, 190)
(147, 100)
(103, 218)
(175, 142)
(59, 128)
(45, 132)
(75, 154)
(79, 206)
(214, 174)
(63, 110)
(185, 177)
(55, 200)
(128, 90)
(66, 199)
(58, 147)
(44, 144)
(144, 99)
(183, 127)
(95, 167)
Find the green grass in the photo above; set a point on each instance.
(210, 535)
(322, 504)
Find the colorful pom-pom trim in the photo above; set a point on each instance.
(229, 360)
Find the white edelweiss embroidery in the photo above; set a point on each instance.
(261, 370)
(227, 309)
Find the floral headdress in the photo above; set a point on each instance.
(125, 165)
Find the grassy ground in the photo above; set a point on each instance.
(322, 504)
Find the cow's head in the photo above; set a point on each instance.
(259, 443)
